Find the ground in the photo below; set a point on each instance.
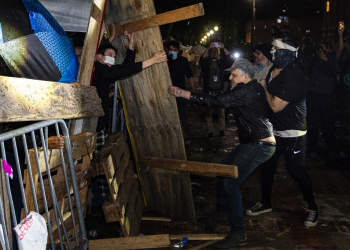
(283, 228)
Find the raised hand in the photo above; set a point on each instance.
(175, 91)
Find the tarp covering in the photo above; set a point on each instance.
(34, 45)
(72, 15)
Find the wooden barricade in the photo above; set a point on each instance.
(83, 146)
(127, 204)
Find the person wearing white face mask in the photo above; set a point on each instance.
(285, 88)
(107, 72)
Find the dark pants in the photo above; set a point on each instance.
(293, 150)
(246, 157)
(182, 108)
(320, 108)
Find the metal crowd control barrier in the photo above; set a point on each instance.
(42, 127)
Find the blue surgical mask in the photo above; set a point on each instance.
(174, 54)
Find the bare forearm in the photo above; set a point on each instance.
(147, 63)
(183, 94)
(269, 98)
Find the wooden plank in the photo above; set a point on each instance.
(122, 167)
(91, 43)
(136, 221)
(151, 114)
(151, 218)
(211, 169)
(5, 203)
(81, 144)
(161, 19)
(198, 236)
(203, 245)
(33, 100)
(110, 211)
(139, 242)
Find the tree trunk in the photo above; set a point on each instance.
(151, 114)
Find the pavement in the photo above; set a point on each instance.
(283, 228)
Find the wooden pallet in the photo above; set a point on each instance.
(127, 200)
(83, 146)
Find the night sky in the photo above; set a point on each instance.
(219, 12)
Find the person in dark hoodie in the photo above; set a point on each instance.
(285, 88)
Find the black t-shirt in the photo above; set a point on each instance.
(179, 68)
(291, 86)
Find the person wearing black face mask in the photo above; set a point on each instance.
(179, 68)
(285, 89)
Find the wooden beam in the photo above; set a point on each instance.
(161, 19)
(201, 168)
(201, 246)
(32, 100)
(151, 218)
(151, 115)
(91, 43)
(139, 242)
(198, 236)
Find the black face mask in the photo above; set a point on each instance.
(283, 57)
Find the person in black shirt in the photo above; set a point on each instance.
(105, 73)
(248, 99)
(179, 68)
(212, 67)
(285, 89)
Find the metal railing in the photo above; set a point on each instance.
(41, 130)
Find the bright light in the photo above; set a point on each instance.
(327, 7)
(205, 37)
(201, 41)
(208, 34)
(284, 10)
(212, 32)
(216, 28)
(236, 55)
(279, 20)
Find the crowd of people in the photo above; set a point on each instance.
(279, 101)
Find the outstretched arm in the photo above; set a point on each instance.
(177, 92)
(157, 58)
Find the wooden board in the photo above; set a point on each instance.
(151, 115)
(33, 100)
(201, 168)
(140, 242)
(81, 144)
(91, 43)
(110, 211)
(161, 19)
(198, 236)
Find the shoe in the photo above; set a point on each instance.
(233, 239)
(214, 217)
(211, 135)
(311, 218)
(257, 209)
(222, 134)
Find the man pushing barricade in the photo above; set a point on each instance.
(248, 99)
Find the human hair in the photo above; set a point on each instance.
(174, 44)
(101, 50)
(243, 72)
(287, 38)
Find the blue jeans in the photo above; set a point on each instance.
(246, 157)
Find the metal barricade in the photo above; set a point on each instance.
(41, 129)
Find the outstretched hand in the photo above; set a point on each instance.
(55, 142)
(159, 57)
(175, 91)
(130, 37)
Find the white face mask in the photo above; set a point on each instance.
(273, 51)
(109, 60)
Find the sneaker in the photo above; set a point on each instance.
(311, 218)
(211, 135)
(257, 209)
(222, 134)
(233, 239)
(214, 217)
